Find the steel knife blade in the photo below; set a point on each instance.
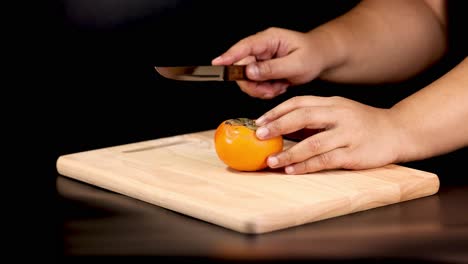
(203, 73)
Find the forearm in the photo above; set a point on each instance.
(381, 41)
(434, 120)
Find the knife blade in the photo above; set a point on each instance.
(203, 73)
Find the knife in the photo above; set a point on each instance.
(204, 73)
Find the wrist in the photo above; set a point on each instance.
(330, 51)
(407, 137)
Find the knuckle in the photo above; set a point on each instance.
(336, 99)
(346, 113)
(350, 163)
(325, 160)
(286, 158)
(270, 114)
(301, 167)
(265, 69)
(314, 144)
(308, 112)
(244, 87)
(296, 100)
(271, 30)
(275, 127)
(308, 166)
(244, 61)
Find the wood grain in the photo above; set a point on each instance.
(182, 173)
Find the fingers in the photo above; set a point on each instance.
(302, 134)
(250, 46)
(263, 67)
(273, 53)
(316, 117)
(246, 60)
(292, 104)
(315, 146)
(337, 158)
(263, 90)
(286, 67)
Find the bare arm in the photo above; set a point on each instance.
(380, 40)
(376, 41)
(434, 120)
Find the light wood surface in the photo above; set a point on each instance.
(182, 173)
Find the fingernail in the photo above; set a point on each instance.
(262, 132)
(218, 60)
(260, 121)
(252, 71)
(268, 95)
(272, 161)
(289, 169)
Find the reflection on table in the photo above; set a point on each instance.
(100, 222)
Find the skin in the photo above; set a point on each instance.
(375, 42)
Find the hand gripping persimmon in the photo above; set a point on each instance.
(239, 148)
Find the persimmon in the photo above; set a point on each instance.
(239, 148)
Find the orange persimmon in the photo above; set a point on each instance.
(239, 148)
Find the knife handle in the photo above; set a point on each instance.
(235, 72)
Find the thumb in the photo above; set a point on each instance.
(274, 69)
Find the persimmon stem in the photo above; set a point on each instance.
(243, 121)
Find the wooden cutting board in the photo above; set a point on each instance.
(183, 173)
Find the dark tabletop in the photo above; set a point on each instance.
(98, 222)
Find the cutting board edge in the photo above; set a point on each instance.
(432, 186)
(257, 225)
(72, 169)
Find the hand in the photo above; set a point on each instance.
(276, 58)
(353, 135)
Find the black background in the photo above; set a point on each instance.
(99, 87)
